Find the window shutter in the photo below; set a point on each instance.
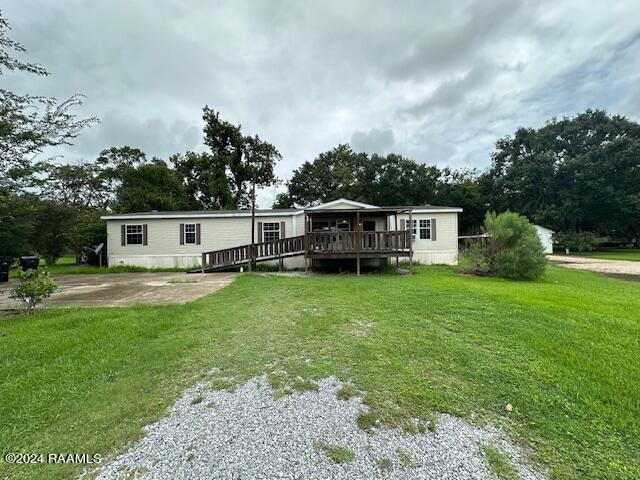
(403, 224)
(123, 235)
(433, 229)
(259, 232)
(197, 234)
(282, 230)
(144, 234)
(182, 234)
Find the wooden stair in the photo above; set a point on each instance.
(218, 260)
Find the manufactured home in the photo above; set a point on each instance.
(339, 231)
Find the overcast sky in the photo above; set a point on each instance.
(437, 81)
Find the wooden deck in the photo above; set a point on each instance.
(326, 245)
(378, 244)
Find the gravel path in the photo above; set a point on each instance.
(616, 267)
(247, 434)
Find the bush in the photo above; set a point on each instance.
(576, 241)
(35, 286)
(473, 260)
(513, 249)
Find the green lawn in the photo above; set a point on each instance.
(564, 351)
(631, 255)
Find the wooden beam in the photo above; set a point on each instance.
(411, 240)
(395, 226)
(306, 243)
(358, 239)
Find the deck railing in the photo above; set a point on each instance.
(352, 242)
(229, 257)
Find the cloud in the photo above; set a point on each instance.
(437, 81)
(373, 141)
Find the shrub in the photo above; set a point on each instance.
(473, 261)
(513, 249)
(576, 241)
(35, 286)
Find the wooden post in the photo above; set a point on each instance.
(395, 240)
(411, 240)
(253, 225)
(204, 259)
(305, 243)
(358, 239)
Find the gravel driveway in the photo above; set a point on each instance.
(613, 267)
(247, 434)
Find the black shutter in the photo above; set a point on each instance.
(433, 229)
(123, 235)
(259, 232)
(144, 234)
(197, 234)
(182, 234)
(282, 230)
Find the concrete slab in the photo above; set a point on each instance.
(125, 289)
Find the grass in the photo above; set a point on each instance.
(630, 254)
(336, 453)
(563, 351)
(499, 463)
(67, 266)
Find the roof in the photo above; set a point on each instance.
(282, 212)
(203, 214)
(544, 228)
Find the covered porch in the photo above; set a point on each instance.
(355, 234)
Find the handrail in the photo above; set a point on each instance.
(242, 254)
(354, 241)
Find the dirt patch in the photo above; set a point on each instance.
(125, 289)
(609, 267)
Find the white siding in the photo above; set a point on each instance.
(163, 247)
(545, 236)
(442, 250)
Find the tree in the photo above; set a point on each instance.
(149, 186)
(82, 185)
(34, 286)
(50, 222)
(16, 226)
(29, 124)
(511, 249)
(87, 233)
(247, 160)
(575, 174)
(461, 188)
(205, 180)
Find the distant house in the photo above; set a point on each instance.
(338, 231)
(546, 237)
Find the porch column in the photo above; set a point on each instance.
(305, 243)
(395, 238)
(358, 237)
(411, 240)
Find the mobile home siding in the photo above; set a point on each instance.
(444, 248)
(164, 248)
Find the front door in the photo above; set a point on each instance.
(369, 240)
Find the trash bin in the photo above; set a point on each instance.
(29, 262)
(5, 265)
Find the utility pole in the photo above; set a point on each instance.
(253, 226)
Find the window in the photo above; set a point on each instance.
(343, 225)
(270, 231)
(134, 235)
(413, 228)
(425, 229)
(189, 233)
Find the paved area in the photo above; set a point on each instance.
(246, 433)
(124, 289)
(611, 267)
